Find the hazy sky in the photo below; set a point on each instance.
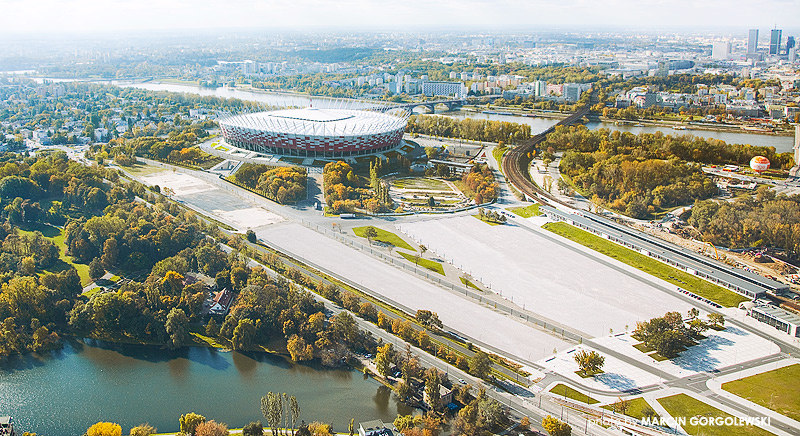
(34, 16)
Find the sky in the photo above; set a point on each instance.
(89, 16)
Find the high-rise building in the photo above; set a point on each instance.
(721, 50)
(789, 43)
(752, 41)
(775, 41)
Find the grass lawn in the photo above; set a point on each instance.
(143, 170)
(776, 390)
(90, 293)
(55, 235)
(498, 153)
(636, 408)
(469, 284)
(207, 341)
(566, 391)
(589, 373)
(643, 348)
(384, 236)
(421, 183)
(682, 405)
(526, 211)
(487, 222)
(425, 263)
(649, 265)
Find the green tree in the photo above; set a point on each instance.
(272, 409)
(253, 429)
(96, 269)
(244, 335)
(480, 364)
(177, 327)
(556, 427)
(717, 320)
(190, 421)
(251, 236)
(370, 233)
(212, 329)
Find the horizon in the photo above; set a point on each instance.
(83, 17)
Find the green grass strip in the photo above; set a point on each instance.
(636, 408)
(526, 211)
(384, 236)
(425, 263)
(566, 391)
(682, 405)
(776, 390)
(647, 264)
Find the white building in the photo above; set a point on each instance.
(449, 89)
(721, 50)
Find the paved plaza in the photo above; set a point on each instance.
(224, 206)
(463, 315)
(546, 277)
(720, 349)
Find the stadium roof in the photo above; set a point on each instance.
(319, 122)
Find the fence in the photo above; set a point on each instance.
(437, 279)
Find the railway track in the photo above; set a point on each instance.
(516, 163)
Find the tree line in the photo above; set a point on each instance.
(468, 128)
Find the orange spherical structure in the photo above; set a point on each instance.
(759, 164)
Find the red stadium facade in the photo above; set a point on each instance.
(311, 132)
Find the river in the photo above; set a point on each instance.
(63, 392)
(782, 144)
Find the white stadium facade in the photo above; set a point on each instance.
(315, 132)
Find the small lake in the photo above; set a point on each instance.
(63, 392)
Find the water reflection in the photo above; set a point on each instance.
(66, 391)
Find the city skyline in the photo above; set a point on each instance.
(84, 16)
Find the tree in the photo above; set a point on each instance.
(177, 326)
(272, 409)
(104, 429)
(432, 384)
(294, 411)
(212, 329)
(622, 405)
(480, 364)
(253, 429)
(697, 327)
(298, 349)
(251, 236)
(370, 233)
(211, 428)
(429, 319)
(556, 427)
(143, 430)
(717, 320)
(110, 254)
(589, 361)
(383, 359)
(525, 423)
(244, 334)
(190, 421)
(96, 268)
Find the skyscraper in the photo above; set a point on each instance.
(789, 43)
(752, 41)
(721, 50)
(775, 41)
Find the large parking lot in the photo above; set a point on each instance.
(545, 274)
(473, 320)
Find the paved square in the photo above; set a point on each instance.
(474, 320)
(533, 268)
(181, 184)
(617, 375)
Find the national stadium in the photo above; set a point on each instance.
(316, 132)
